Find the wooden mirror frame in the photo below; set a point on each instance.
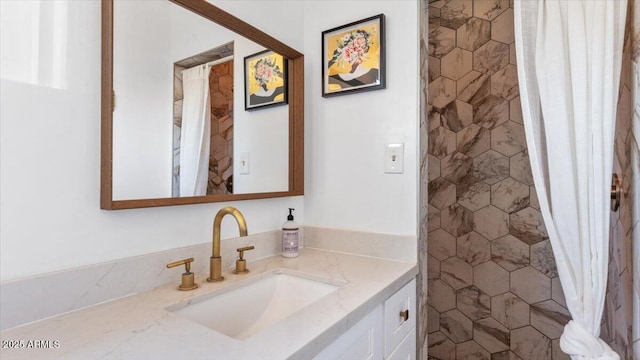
(295, 62)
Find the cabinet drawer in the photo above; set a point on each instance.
(399, 316)
(362, 342)
(407, 348)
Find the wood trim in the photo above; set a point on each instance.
(106, 110)
(296, 110)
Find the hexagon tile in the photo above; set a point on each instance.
(493, 288)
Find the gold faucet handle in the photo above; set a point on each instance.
(243, 249)
(188, 279)
(241, 263)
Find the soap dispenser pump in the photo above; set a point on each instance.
(290, 231)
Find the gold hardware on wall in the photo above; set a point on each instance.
(241, 263)
(616, 191)
(188, 279)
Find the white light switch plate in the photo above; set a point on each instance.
(394, 158)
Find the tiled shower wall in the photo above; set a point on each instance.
(625, 224)
(493, 288)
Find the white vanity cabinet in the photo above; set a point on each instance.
(387, 332)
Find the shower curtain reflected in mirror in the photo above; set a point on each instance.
(195, 132)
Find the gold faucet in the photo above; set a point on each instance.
(215, 270)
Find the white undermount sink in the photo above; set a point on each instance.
(242, 312)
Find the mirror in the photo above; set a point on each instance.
(252, 154)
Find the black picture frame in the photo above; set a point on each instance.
(265, 79)
(350, 54)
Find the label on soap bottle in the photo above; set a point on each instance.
(289, 240)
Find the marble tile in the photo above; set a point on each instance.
(491, 167)
(502, 27)
(557, 352)
(434, 68)
(491, 57)
(491, 335)
(442, 142)
(520, 167)
(510, 310)
(456, 220)
(515, 110)
(530, 285)
(491, 278)
(441, 296)
(504, 83)
(472, 193)
(433, 320)
(433, 218)
(474, 303)
(457, 115)
(441, 347)
(491, 222)
(471, 350)
(510, 195)
(529, 344)
(434, 117)
(441, 92)
(489, 9)
(473, 34)
(442, 245)
(549, 318)
(473, 248)
(473, 140)
(455, 166)
(456, 63)
(510, 253)
(456, 326)
(433, 167)
(441, 193)
(513, 60)
(508, 138)
(505, 355)
(433, 268)
(457, 273)
(557, 294)
(441, 41)
(455, 13)
(490, 111)
(473, 87)
(528, 226)
(542, 258)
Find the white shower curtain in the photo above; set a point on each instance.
(195, 132)
(569, 58)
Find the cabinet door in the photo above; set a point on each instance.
(399, 316)
(407, 348)
(361, 342)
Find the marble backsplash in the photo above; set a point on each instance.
(34, 298)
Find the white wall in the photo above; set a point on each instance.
(50, 149)
(345, 135)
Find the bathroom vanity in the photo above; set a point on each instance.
(369, 311)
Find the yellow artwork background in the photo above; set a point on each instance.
(372, 62)
(278, 81)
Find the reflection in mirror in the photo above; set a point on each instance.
(161, 52)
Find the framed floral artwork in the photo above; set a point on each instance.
(353, 57)
(265, 80)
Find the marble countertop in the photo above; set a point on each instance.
(140, 327)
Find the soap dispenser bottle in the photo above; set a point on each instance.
(290, 230)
